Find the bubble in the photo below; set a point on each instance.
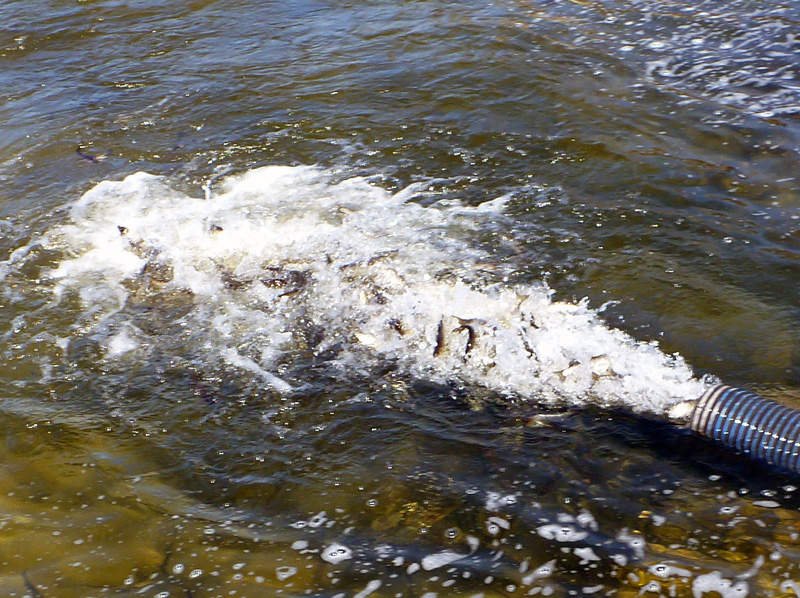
(299, 545)
(494, 525)
(541, 572)
(561, 533)
(635, 542)
(371, 587)
(652, 586)
(586, 554)
(586, 519)
(284, 573)
(318, 520)
(336, 553)
(440, 559)
(714, 582)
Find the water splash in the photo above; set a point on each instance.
(288, 261)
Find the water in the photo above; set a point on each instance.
(379, 299)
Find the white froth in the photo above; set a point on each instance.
(283, 249)
(299, 545)
(540, 572)
(121, 343)
(586, 554)
(666, 570)
(284, 573)
(636, 542)
(372, 586)
(561, 533)
(336, 553)
(714, 582)
(496, 501)
(495, 524)
(440, 559)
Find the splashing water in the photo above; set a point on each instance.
(286, 261)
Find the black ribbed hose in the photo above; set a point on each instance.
(758, 427)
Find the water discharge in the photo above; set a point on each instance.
(284, 260)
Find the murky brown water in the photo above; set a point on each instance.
(348, 380)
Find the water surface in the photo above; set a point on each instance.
(386, 299)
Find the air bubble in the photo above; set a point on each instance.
(299, 545)
(284, 573)
(336, 553)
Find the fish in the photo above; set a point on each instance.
(29, 585)
(88, 157)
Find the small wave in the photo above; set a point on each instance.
(698, 50)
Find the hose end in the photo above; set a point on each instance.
(760, 428)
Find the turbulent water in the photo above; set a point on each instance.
(391, 299)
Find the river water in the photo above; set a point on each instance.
(337, 298)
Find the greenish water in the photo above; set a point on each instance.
(315, 357)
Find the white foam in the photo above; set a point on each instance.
(495, 524)
(540, 572)
(121, 343)
(586, 554)
(285, 572)
(336, 553)
(440, 559)
(561, 533)
(299, 545)
(790, 585)
(635, 541)
(714, 582)
(372, 586)
(666, 570)
(283, 250)
(496, 501)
